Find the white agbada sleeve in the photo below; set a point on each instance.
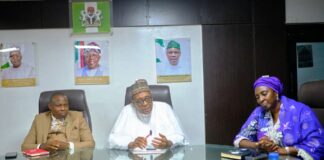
(167, 124)
(118, 138)
(128, 127)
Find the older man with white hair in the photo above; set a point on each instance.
(146, 123)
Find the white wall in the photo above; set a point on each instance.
(304, 11)
(132, 56)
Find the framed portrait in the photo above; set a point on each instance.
(173, 60)
(17, 64)
(305, 56)
(90, 17)
(91, 62)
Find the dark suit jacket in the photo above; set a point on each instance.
(77, 131)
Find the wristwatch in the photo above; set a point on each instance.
(287, 150)
(257, 144)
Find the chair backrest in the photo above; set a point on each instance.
(159, 93)
(77, 102)
(312, 94)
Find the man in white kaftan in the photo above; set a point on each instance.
(146, 123)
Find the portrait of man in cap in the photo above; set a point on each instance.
(89, 60)
(173, 57)
(20, 64)
(173, 52)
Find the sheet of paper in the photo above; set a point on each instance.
(148, 151)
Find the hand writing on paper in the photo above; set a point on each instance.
(150, 134)
(140, 142)
(161, 142)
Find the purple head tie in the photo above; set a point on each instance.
(271, 82)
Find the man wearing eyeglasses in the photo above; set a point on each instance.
(145, 123)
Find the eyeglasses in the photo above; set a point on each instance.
(147, 99)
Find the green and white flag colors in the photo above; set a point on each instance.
(5, 65)
(91, 17)
(173, 60)
(4, 59)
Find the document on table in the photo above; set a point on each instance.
(148, 151)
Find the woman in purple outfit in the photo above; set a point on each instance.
(280, 124)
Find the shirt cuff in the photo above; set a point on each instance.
(38, 145)
(71, 148)
(237, 141)
(302, 153)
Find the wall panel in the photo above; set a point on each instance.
(174, 12)
(129, 13)
(271, 52)
(268, 11)
(55, 14)
(225, 11)
(20, 15)
(228, 75)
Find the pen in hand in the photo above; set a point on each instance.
(149, 134)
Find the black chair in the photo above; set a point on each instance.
(77, 102)
(159, 93)
(312, 94)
